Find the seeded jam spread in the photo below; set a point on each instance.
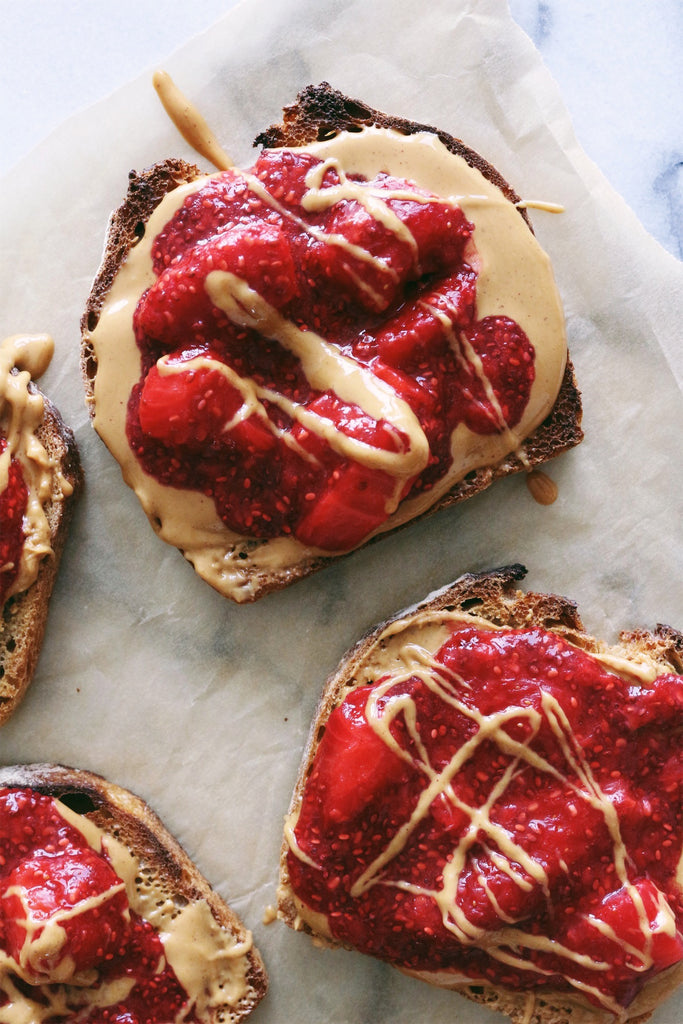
(499, 808)
(13, 502)
(27, 473)
(82, 938)
(317, 349)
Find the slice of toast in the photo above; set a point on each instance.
(246, 568)
(162, 876)
(24, 614)
(489, 601)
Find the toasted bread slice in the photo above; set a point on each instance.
(24, 614)
(486, 601)
(161, 875)
(247, 568)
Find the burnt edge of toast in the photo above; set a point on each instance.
(127, 225)
(321, 112)
(494, 596)
(23, 617)
(129, 819)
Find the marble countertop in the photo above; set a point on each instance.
(617, 63)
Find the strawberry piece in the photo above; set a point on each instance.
(440, 230)
(222, 202)
(283, 175)
(507, 364)
(632, 933)
(355, 766)
(436, 238)
(355, 498)
(351, 506)
(63, 914)
(417, 333)
(352, 421)
(177, 311)
(13, 504)
(187, 407)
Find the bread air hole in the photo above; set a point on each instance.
(80, 803)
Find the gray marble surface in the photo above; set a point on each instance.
(152, 678)
(619, 68)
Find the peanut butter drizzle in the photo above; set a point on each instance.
(539, 204)
(398, 648)
(514, 279)
(24, 358)
(189, 122)
(208, 960)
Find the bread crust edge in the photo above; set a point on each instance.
(24, 616)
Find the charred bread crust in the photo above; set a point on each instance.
(125, 229)
(127, 818)
(318, 113)
(495, 597)
(24, 616)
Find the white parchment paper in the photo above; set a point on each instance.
(202, 707)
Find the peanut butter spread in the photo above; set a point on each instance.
(514, 279)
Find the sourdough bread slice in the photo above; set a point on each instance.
(165, 877)
(24, 615)
(246, 568)
(487, 599)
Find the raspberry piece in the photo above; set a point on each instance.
(13, 504)
(63, 914)
(507, 364)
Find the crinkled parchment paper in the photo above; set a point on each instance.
(202, 707)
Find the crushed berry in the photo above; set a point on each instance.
(549, 841)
